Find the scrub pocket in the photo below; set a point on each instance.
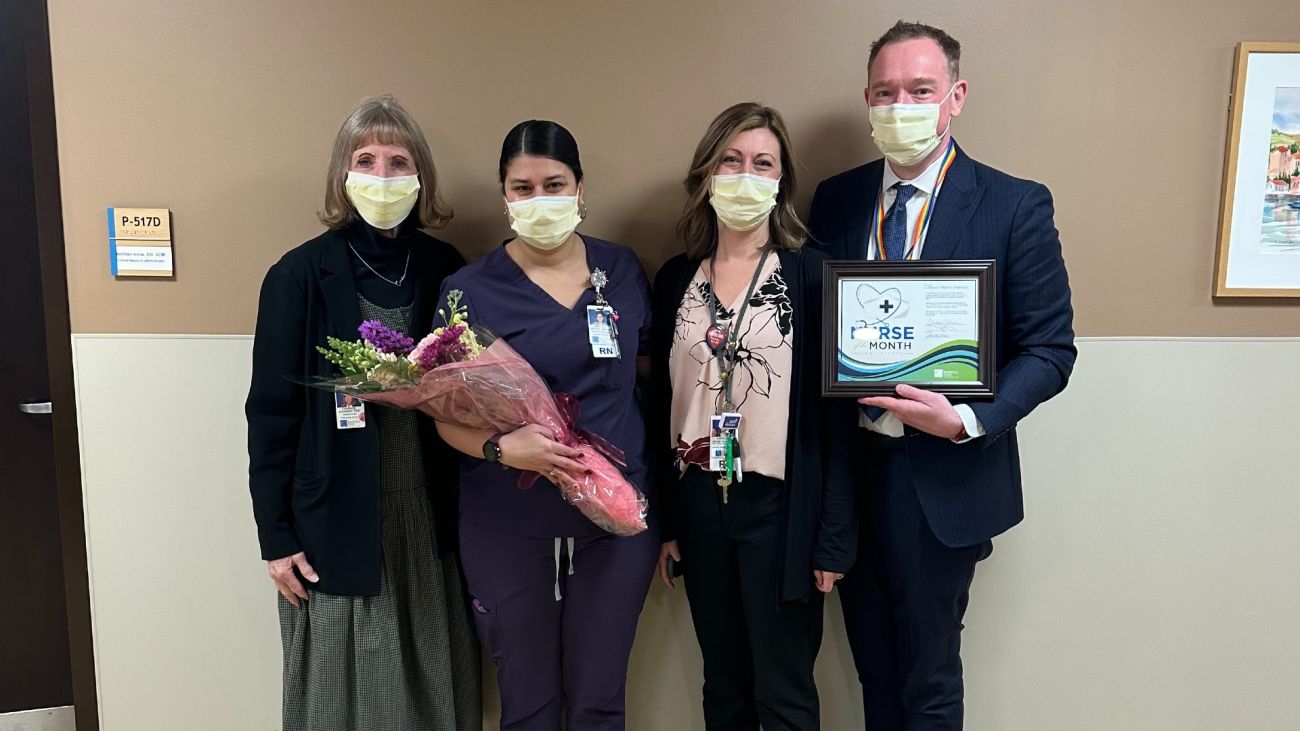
(488, 626)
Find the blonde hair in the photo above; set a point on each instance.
(383, 120)
(698, 226)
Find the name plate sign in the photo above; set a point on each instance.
(140, 242)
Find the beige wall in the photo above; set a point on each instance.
(224, 112)
(1152, 586)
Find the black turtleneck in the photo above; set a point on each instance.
(388, 257)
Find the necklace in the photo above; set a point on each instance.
(400, 279)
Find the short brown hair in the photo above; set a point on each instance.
(904, 31)
(387, 122)
(698, 227)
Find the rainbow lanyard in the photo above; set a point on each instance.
(922, 219)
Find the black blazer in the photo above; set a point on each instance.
(971, 492)
(315, 488)
(822, 519)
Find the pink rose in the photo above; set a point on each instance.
(417, 355)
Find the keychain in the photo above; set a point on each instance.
(724, 434)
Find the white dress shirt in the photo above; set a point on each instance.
(888, 424)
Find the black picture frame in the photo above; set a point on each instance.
(983, 271)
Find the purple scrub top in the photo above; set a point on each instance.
(553, 338)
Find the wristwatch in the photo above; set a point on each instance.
(492, 449)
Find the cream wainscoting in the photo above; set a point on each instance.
(1152, 586)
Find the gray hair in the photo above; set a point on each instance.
(381, 119)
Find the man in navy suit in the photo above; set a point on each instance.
(939, 480)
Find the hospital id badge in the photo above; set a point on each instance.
(717, 445)
(349, 411)
(724, 431)
(601, 331)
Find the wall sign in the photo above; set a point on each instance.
(140, 242)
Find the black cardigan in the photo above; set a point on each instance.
(822, 519)
(315, 488)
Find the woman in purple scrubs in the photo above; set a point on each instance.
(555, 598)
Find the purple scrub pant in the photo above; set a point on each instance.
(558, 656)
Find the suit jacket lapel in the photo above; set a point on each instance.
(858, 237)
(340, 289)
(953, 209)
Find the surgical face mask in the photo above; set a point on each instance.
(906, 133)
(382, 202)
(743, 202)
(545, 221)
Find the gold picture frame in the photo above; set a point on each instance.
(1258, 248)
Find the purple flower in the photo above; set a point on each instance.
(446, 347)
(384, 339)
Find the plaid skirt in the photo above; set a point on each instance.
(406, 659)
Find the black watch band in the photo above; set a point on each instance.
(492, 449)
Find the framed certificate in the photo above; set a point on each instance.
(928, 324)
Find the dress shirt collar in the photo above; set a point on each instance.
(924, 183)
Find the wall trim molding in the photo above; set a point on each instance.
(1088, 339)
(159, 336)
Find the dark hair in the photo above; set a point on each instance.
(904, 31)
(540, 138)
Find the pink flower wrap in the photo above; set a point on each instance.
(500, 391)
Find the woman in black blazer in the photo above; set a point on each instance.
(356, 513)
(760, 521)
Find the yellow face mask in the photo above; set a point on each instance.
(906, 133)
(382, 202)
(545, 221)
(743, 202)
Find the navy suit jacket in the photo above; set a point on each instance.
(971, 492)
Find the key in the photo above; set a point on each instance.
(724, 483)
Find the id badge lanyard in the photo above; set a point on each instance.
(922, 223)
(600, 280)
(725, 343)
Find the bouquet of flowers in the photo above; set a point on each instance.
(466, 376)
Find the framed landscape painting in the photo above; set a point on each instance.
(1259, 216)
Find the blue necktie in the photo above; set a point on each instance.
(895, 243)
(895, 226)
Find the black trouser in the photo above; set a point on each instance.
(904, 601)
(758, 652)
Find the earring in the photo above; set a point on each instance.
(582, 209)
